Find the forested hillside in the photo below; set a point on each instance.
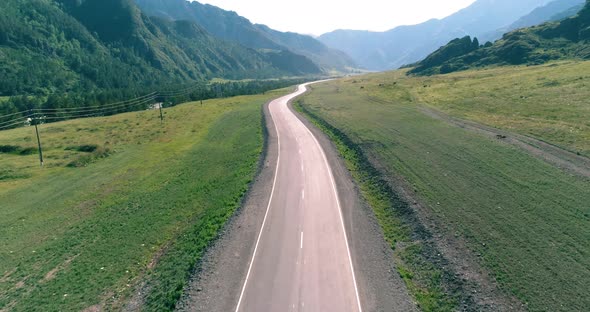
(230, 26)
(49, 46)
(569, 38)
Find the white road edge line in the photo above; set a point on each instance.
(339, 207)
(301, 244)
(267, 207)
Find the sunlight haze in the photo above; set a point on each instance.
(326, 16)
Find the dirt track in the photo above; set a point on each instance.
(563, 159)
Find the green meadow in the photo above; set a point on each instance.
(549, 102)
(124, 203)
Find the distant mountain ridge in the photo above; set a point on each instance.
(569, 38)
(408, 44)
(551, 12)
(48, 46)
(232, 27)
(548, 13)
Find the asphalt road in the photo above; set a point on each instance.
(301, 260)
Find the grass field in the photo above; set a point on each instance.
(549, 102)
(122, 200)
(527, 221)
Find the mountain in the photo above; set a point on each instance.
(72, 45)
(330, 59)
(567, 13)
(552, 12)
(548, 13)
(230, 26)
(566, 39)
(408, 44)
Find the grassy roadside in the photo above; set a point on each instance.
(524, 220)
(79, 237)
(433, 289)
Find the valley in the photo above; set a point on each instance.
(174, 155)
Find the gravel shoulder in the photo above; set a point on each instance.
(216, 282)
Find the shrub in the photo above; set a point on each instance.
(28, 151)
(17, 150)
(83, 148)
(9, 149)
(87, 159)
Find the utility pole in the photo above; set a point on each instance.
(39, 143)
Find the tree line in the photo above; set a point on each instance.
(109, 102)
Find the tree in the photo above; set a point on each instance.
(475, 44)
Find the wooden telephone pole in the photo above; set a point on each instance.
(39, 142)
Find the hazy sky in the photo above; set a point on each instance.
(319, 16)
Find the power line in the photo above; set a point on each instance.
(153, 94)
(9, 115)
(12, 120)
(64, 113)
(185, 90)
(65, 116)
(87, 109)
(115, 103)
(22, 122)
(179, 93)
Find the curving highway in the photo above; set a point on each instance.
(301, 260)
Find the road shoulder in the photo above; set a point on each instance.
(218, 278)
(378, 281)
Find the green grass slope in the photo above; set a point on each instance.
(525, 220)
(567, 39)
(122, 200)
(548, 102)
